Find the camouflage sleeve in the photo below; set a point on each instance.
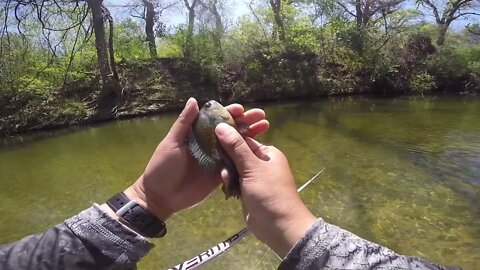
(325, 246)
(89, 240)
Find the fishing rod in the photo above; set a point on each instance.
(221, 247)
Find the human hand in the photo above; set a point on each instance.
(272, 207)
(172, 180)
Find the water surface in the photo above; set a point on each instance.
(402, 172)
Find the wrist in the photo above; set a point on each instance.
(130, 213)
(109, 211)
(139, 193)
(289, 229)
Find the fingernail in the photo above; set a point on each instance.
(223, 129)
(189, 101)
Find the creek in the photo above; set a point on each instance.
(403, 172)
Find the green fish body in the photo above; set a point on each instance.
(205, 148)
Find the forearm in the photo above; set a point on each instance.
(328, 246)
(89, 240)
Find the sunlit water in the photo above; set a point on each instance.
(402, 172)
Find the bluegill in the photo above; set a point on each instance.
(205, 148)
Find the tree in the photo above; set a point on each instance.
(111, 90)
(366, 11)
(219, 32)
(276, 6)
(49, 14)
(150, 11)
(368, 16)
(452, 10)
(149, 16)
(130, 40)
(188, 48)
(317, 9)
(47, 24)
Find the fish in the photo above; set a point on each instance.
(205, 148)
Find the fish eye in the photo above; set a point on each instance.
(208, 104)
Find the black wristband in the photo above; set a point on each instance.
(136, 217)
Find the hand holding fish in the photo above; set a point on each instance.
(272, 207)
(172, 180)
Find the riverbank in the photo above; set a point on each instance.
(148, 87)
(162, 85)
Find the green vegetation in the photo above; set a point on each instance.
(71, 62)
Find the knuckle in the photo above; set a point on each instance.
(274, 149)
(236, 141)
(277, 153)
(182, 119)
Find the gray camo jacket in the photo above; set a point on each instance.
(93, 240)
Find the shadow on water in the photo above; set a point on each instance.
(24, 140)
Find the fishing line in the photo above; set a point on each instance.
(263, 257)
(221, 247)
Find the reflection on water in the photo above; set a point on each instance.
(403, 172)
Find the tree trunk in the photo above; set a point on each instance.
(111, 51)
(149, 23)
(277, 12)
(100, 41)
(189, 36)
(188, 50)
(219, 31)
(359, 14)
(442, 31)
(111, 91)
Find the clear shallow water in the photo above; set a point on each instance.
(402, 172)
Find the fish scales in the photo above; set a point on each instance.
(206, 150)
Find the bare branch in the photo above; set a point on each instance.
(465, 14)
(250, 6)
(346, 9)
(169, 6)
(434, 10)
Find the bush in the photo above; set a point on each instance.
(422, 83)
(449, 68)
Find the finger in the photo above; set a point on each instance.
(251, 116)
(235, 146)
(260, 150)
(225, 177)
(183, 124)
(235, 109)
(257, 128)
(245, 212)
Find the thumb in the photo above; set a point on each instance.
(183, 124)
(234, 144)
